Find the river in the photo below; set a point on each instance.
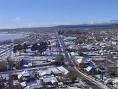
(4, 37)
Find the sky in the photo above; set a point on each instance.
(40, 13)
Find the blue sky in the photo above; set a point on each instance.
(27, 13)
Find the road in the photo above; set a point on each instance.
(94, 84)
(25, 68)
(6, 52)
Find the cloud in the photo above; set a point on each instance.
(18, 18)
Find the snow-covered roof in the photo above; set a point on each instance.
(63, 70)
(55, 70)
(79, 59)
(23, 84)
(72, 46)
(50, 79)
(74, 53)
(34, 85)
(115, 80)
(88, 68)
(91, 53)
(24, 73)
(69, 38)
(19, 76)
(44, 72)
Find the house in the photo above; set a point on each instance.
(73, 47)
(73, 53)
(63, 70)
(74, 87)
(27, 65)
(115, 83)
(23, 84)
(44, 72)
(89, 68)
(80, 61)
(55, 71)
(69, 38)
(87, 46)
(34, 85)
(15, 82)
(49, 80)
(91, 54)
(25, 75)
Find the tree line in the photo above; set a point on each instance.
(36, 47)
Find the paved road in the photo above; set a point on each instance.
(94, 84)
(6, 51)
(25, 68)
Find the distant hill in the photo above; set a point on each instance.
(65, 27)
(84, 26)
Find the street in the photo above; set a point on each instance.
(94, 84)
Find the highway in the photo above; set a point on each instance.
(94, 84)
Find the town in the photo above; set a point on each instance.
(58, 44)
(60, 59)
